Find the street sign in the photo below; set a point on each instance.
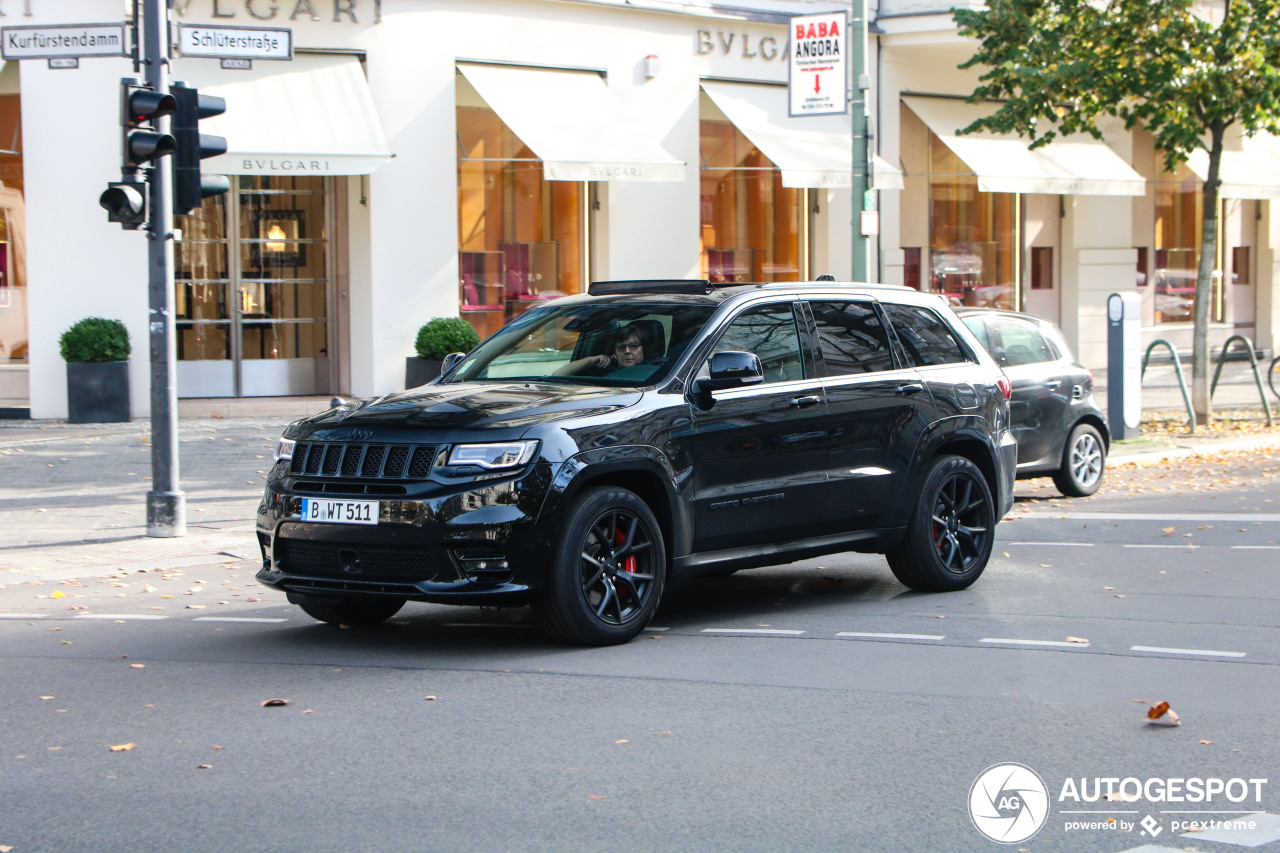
(63, 40)
(818, 73)
(235, 42)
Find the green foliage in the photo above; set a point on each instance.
(443, 335)
(95, 339)
(1062, 64)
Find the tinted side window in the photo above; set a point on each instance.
(1022, 343)
(926, 338)
(769, 331)
(979, 328)
(852, 337)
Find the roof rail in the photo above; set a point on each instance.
(691, 285)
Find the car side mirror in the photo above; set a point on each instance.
(730, 370)
(451, 361)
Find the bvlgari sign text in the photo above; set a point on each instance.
(248, 11)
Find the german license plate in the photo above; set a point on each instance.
(340, 512)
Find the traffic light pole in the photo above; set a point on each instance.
(166, 503)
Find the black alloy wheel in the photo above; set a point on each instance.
(949, 539)
(1083, 461)
(608, 573)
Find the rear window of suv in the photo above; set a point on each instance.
(925, 336)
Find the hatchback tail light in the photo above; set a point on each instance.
(1006, 387)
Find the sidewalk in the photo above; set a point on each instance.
(74, 496)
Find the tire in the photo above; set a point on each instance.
(353, 612)
(607, 573)
(951, 532)
(1084, 459)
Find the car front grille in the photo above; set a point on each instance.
(365, 461)
(358, 562)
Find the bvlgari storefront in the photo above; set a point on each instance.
(424, 159)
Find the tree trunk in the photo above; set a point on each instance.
(1200, 393)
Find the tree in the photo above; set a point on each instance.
(1186, 70)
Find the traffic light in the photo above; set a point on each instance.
(126, 203)
(190, 188)
(141, 107)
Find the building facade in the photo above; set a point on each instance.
(420, 158)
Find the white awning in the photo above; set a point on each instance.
(1003, 162)
(574, 124)
(811, 151)
(1250, 169)
(313, 115)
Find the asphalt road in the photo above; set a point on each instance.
(817, 706)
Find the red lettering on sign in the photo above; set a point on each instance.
(835, 28)
(800, 31)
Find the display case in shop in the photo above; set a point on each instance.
(481, 294)
(531, 274)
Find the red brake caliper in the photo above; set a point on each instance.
(628, 565)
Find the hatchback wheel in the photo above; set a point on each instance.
(950, 535)
(1083, 461)
(608, 572)
(351, 611)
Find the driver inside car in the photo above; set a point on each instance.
(628, 351)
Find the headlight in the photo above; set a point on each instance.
(508, 454)
(284, 449)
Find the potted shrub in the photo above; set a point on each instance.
(436, 339)
(97, 355)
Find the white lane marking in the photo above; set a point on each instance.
(236, 619)
(1210, 652)
(1184, 547)
(1063, 544)
(874, 636)
(144, 617)
(1152, 516)
(1051, 643)
(777, 632)
(23, 615)
(1255, 547)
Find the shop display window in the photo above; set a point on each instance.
(13, 241)
(750, 223)
(1179, 206)
(520, 236)
(970, 244)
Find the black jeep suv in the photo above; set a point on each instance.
(601, 446)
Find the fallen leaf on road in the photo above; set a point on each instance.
(1163, 715)
(1118, 796)
(594, 797)
(622, 741)
(431, 698)
(124, 747)
(1206, 741)
(46, 697)
(1118, 595)
(204, 766)
(195, 607)
(57, 593)
(1077, 640)
(1108, 587)
(137, 666)
(1167, 530)
(274, 703)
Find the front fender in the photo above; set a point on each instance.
(643, 469)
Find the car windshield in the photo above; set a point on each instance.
(606, 342)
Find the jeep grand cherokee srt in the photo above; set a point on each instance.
(600, 446)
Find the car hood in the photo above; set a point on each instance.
(477, 405)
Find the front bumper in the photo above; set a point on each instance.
(477, 543)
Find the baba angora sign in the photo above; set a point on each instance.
(818, 78)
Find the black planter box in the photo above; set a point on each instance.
(420, 371)
(98, 392)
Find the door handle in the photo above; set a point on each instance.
(806, 402)
(909, 388)
(1053, 384)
